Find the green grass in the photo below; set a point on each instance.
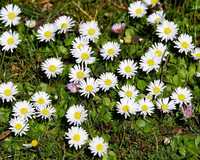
(134, 138)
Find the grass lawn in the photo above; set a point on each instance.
(159, 136)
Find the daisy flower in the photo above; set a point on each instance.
(156, 18)
(137, 9)
(23, 109)
(9, 40)
(64, 24)
(46, 112)
(9, 15)
(129, 92)
(84, 55)
(76, 137)
(88, 87)
(107, 80)
(18, 126)
(90, 30)
(79, 43)
(151, 2)
(41, 99)
(110, 50)
(182, 95)
(126, 107)
(156, 87)
(76, 114)
(196, 53)
(184, 43)
(8, 91)
(78, 73)
(127, 68)
(98, 146)
(158, 50)
(146, 107)
(52, 67)
(166, 105)
(30, 23)
(167, 30)
(149, 62)
(46, 32)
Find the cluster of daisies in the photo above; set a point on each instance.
(166, 31)
(10, 16)
(22, 111)
(80, 74)
(77, 136)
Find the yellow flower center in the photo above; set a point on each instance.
(154, 2)
(7, 92)
(144, 108)
(10, 41)
(24, 110)
(18, 126)
(34, 143)
(111, 51)
(129, 94)
(185, 45)
(125, 108)
(181, 97)
(40, 100)
(77, 115)
(99, 147)
(164, 107)
(11, 16)
(91, 31)
(76, 137)
(52, 68)
(85, 56)
(48, 34)
(89, 88)
(45, 112)
(150, 62)
(167, 30)
(128, 69)
(156, 90)
(158, 53)
(64, 26)
(139, 11)
(80, 45)
(197, 55)
(108, 82)
(80, 74)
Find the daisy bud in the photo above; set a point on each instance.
(118, 28)
(187, 111)
(166, 141)
(30, 23)
(72, 87)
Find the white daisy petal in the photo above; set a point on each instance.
(76, 137)
(8, 91)
(19, 126)
(110, 50)
(9, 15)
(184, 43)
(127, 68)
(98, 146)
(106, 81)
(90, 30)
(167, 30)
(137, 9)
(64, 24)
(52, 67)
(9, 40)
(76, 114)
